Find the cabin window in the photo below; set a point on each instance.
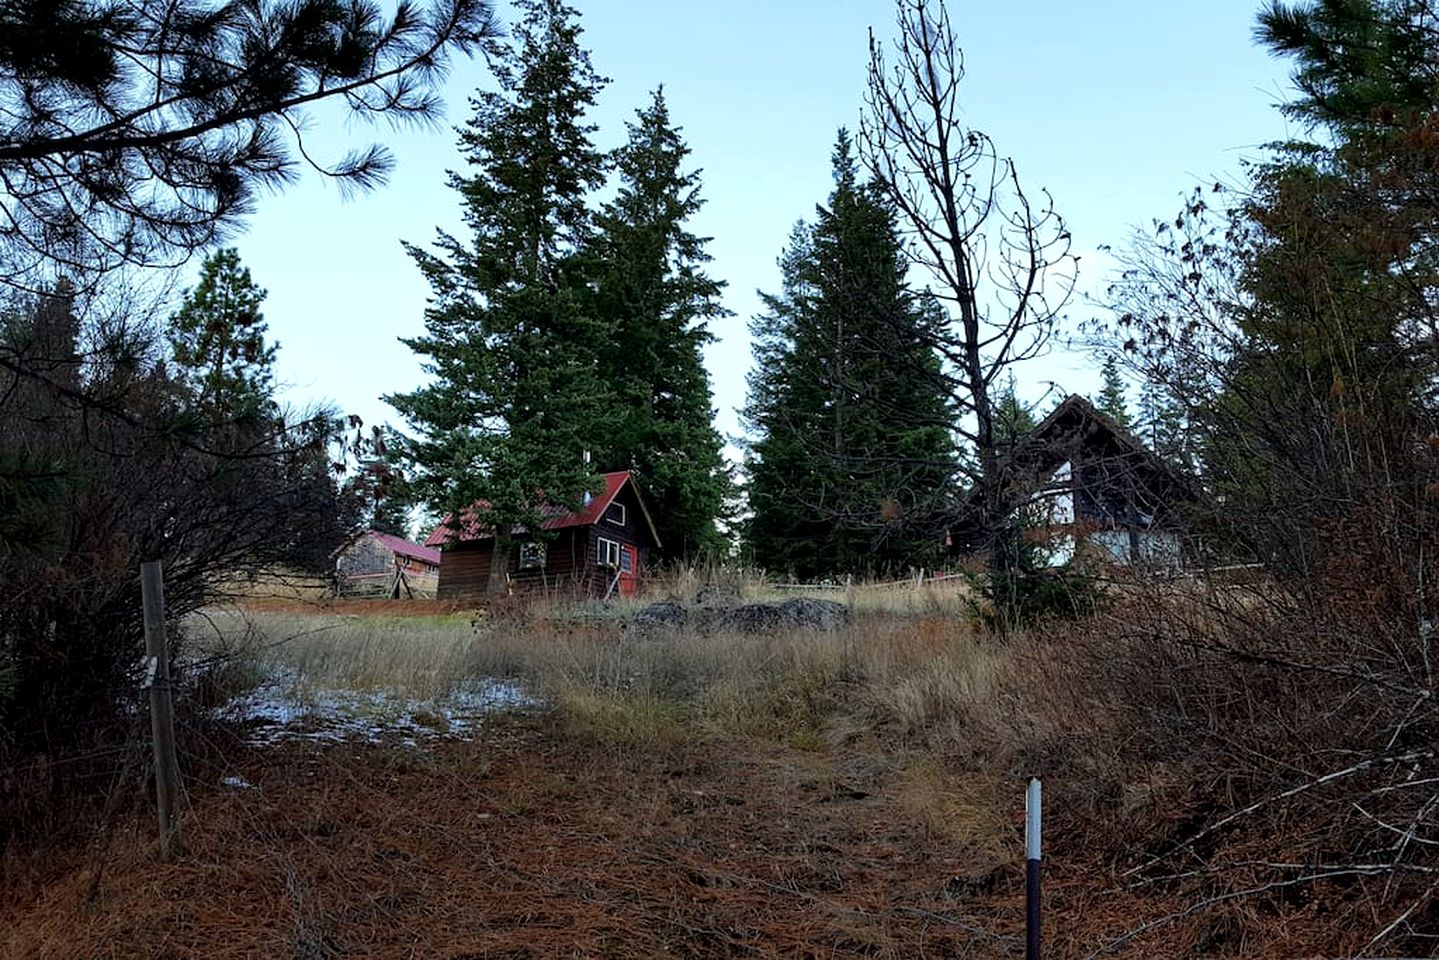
(532, 555)
(615, 513)
(607, 553)
(627, 560)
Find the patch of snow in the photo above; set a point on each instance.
(235, 783)
(281, 709)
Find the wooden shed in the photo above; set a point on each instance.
(601, 548)
(375, 564)
(1090, 490)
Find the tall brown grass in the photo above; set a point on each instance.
(915, 675)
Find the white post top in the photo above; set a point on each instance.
(1033, 805)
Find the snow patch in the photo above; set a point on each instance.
(281, 709)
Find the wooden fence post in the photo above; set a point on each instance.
(162, 709)
(1033, 855)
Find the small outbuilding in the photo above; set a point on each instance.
(601, 548)
(1087, 489)
(375, 564)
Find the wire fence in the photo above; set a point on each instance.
(919, 580)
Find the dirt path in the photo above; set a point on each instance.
(526, 843)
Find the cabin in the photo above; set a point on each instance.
(601, 548)
(1089, 490)
(375, 564)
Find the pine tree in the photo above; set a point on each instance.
(377, 492)
(135, 132)
(1013, 420)
(1111, 400)
(217, 342)
(852, 453)
(517, 397)
(1161, 423)
(655, 296)
(787, 478)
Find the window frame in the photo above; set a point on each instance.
(605, 548)
(533, 547)
(624, 514)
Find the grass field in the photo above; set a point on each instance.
(919, 675)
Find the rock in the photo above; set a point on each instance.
(749, 618)
(815, 614)
(752, 618)
(665, 613)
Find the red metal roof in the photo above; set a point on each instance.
(557, 519)
(404, 548)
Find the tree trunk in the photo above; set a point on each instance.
(500, 566)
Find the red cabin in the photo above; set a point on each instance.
(601, 548)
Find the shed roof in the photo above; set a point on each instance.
(556, 518)
(405, 548)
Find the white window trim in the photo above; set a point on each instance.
(607, 552)
(621, 521)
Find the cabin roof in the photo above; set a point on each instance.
(1078, 425)
(1077, 421)
(556, 518)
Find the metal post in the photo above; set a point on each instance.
(1033, 854)
(162, 709)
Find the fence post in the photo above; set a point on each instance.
(1033, 855)
(162, 709)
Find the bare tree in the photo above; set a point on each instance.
(1000, 259)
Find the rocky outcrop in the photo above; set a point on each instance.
(665, 613)
(800, 613)
(815, 614)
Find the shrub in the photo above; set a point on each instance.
(1025, 597)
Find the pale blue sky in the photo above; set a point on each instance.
(1116, 106)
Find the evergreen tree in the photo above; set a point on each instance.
(517, 396)
(138, 131)
(852, 452)
(217, 340)
(391, 514)
(786, 476)
(1111, 400)
(1161, 421)
(378, 493)
(1013, 420)
(656, 299)
(1363, 68)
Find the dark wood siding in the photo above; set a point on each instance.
(465, 570)
(634, 531)
(569, 565)
(565, 566)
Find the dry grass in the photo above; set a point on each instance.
(918, 683)
(817, 770)
(530, 844)
(919, 676)
(413, 656)
(952, 596)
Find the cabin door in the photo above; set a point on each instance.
(629, 566)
